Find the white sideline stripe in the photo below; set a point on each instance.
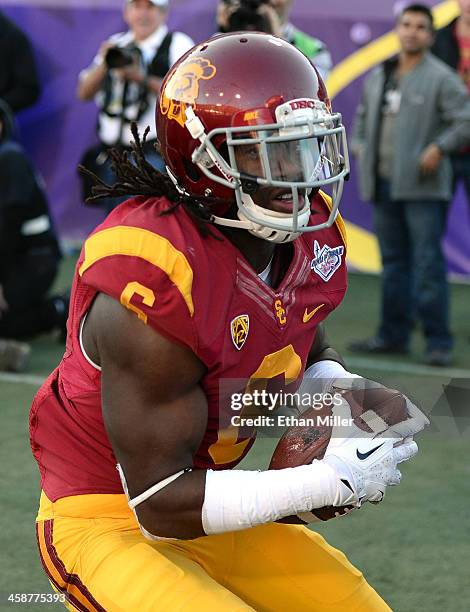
(355, 362)
(26, 379)
(406, 368)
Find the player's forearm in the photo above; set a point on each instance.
(176, 510)
(321, 349)
(210, 502)
(327, 354)
(238, 499)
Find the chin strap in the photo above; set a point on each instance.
(265, 232)
(232, 222)
(256, 229)
(260, 231)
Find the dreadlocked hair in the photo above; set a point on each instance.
(136, 176)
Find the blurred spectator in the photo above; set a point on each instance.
(452, 46)
(19, 86)
(125, 76)
(414, 112)
(29, 253)
(13, 355)
(314, 49)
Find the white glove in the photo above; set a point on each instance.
(366, 463)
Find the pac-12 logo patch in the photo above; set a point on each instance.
(239, 328)
(327, 260)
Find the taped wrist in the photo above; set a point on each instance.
(239, 499)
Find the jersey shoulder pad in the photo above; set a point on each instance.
(146, 271)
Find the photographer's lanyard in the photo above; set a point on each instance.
(122, 117)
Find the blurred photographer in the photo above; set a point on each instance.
(29, 253)
(272, 16)
(316, 50)
(254, 15)
(125, 79)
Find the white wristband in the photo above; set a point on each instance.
(325, 372)
(239, 499)
(328, 369)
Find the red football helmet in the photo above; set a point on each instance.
(244, 111)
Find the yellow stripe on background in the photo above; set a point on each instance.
(379, 50)
(138, 242)
(363, 251)
(360, 62)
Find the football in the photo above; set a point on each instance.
(372, 410)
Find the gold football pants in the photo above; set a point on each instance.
(93, 551)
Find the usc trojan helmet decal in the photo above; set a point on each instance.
(182, 89)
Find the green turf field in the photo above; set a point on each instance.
(414, 548)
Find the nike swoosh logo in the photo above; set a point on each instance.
(308, 315)
(346, 484)
(363, 456)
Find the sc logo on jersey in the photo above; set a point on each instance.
(280, 312)
(239, 328)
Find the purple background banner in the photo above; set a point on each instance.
(66, 35)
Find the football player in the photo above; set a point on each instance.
(222, 272)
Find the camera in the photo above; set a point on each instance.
(119, 57)
(246, 16)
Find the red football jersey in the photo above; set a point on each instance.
(198, 291)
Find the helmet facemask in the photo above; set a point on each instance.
(304, 150)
